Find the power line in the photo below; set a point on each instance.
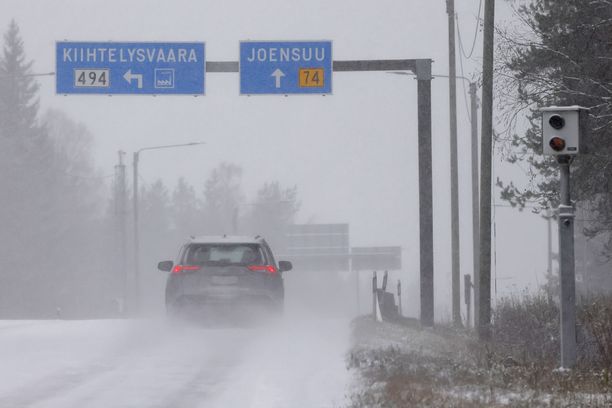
(467, 109)
(475, 34)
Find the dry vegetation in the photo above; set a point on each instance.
(402, 366)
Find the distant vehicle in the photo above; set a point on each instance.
(225, 276)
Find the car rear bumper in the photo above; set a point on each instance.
(226, 296)
(223, 309)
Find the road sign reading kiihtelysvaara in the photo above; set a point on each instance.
(130, 68)
(285, 67)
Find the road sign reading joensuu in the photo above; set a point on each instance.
(130, 68)
(285, 67)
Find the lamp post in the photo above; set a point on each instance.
(136, 159)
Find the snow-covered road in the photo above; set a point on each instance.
(157, 363)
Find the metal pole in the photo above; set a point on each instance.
(467, 287)
(484, 318)
(399, 297)
(549, 270)
(357, 295)
(374, 289)
(567, 267)
(423, 71)
(384, 282)
(469, 313)
(136, 296)
(475, 197)
(452, 82)
(357, 283)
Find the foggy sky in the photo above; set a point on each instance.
(351, 154)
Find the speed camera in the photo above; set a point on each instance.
(563, 130)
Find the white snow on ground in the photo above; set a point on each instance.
(156, 363)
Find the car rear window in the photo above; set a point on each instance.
(224, 254)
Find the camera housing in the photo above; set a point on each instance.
(564, 130)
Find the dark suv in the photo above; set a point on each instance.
(218, 275)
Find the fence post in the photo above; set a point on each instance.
(399, 297)
(374, 300)
(467, 295)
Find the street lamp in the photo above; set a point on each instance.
(136, 225)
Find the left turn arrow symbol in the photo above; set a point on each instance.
(128, 76)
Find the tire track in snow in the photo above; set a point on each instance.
(60, 382)
(180, 370)
(49, 386)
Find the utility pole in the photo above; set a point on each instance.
(484, 310)
(475, 197)
(452, 81)
(120, 213)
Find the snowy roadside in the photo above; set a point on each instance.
(400, 366)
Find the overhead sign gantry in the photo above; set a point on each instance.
(276, 68)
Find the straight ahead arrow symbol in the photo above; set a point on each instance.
(278, 74)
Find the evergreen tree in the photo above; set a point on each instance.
(155, 205)
(48, 201)
(222, 198)
(156, 241)
(186, 211)
(19, 134)
(18, 89)
(272, 211)
(564, 57)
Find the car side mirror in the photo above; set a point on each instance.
(284, 266)
(165, 266)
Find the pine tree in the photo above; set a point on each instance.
(49, 189)
(272, 211)
(563, 57)
(18, 89)
(223, 197)
(19, 133)
(187, 215)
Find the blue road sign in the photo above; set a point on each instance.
(130, 68)
(285, 67)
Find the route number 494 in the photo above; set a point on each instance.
(98, 78)
(312, 78)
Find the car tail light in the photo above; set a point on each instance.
(263, 268)
(181, 268)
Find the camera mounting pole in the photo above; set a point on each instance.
(567, 267)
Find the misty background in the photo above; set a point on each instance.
(349, 157)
